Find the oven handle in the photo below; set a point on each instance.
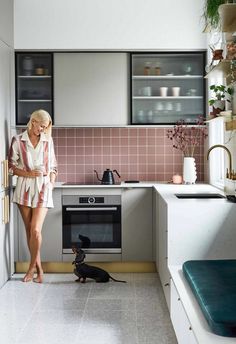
(91, 209)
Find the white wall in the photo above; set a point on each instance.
(109, 24)
(6, 21)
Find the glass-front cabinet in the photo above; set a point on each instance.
(34, 84)
(167, 87)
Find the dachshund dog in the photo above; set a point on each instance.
(83, 271)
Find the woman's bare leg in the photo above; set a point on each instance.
(26, 213)
(37, 219)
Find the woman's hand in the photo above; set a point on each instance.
(34, 173)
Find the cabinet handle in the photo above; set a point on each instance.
(7, 209)
(2, 172)
(7, 174)
(190, 328)
(5, 179)
(166, 285)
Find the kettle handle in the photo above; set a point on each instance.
(116, 173)
(97, 175)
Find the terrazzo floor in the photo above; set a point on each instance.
(62, 311)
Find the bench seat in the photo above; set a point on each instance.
(213, 283)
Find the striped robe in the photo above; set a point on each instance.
(33, 192)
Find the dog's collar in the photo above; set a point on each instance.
(79, 263)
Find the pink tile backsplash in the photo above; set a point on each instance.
(144, 154)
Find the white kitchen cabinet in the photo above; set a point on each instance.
(163, 249)
(90, 89)
(6, 238)
(137, 224)
(51, 249)
(182, 326)
(5, 57)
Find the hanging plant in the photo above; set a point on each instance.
(211, 14)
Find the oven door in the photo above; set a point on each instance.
(96, 229)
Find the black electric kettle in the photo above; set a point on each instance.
(108, 177)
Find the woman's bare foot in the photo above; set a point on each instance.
(29, 276)
(39, 278)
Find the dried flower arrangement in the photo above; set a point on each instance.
(186, 138)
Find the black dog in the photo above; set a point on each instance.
(84, 271)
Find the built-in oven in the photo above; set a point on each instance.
(92, 223)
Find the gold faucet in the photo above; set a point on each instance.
(230, 173)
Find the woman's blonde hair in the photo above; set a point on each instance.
(41, 116)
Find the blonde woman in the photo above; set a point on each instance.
(32, 160)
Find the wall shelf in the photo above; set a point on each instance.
(231, 125)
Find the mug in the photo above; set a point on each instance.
(163, 91)
(175, 91)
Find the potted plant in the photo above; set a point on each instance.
(211, 14)
(187, 138)
(222, 94)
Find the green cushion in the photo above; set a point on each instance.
(213, 283)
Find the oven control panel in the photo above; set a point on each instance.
(91, 200)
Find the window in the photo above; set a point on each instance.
(216, 158)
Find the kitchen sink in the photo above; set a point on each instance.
(199, 195)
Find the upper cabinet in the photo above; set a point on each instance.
(91, 89)
(167, 87)
(34, 84)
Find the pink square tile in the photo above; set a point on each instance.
(133, 132)
(142, 141)
(124, 132)
(106, 150)
(61, 150)
(88, 132)
(79, 141)
(88, 151)
(80, 159)
(151, 150)
(79, 132)
(88, 141)
(115, 132)
(71, 132)
(106, 132)
(70, 150)
(97, 132)
(133, 150)
(97, 150)
(142, 150)
(97, 141)
(62, 133)
(115, 141)
(133, 141)
(133, 159)
(70, 142)
(62, 142)
(142, 132)
(107, 161)
(106, 141)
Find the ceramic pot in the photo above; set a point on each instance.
(217, 107)
(189, 170)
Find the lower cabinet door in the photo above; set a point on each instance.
(179, 319)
